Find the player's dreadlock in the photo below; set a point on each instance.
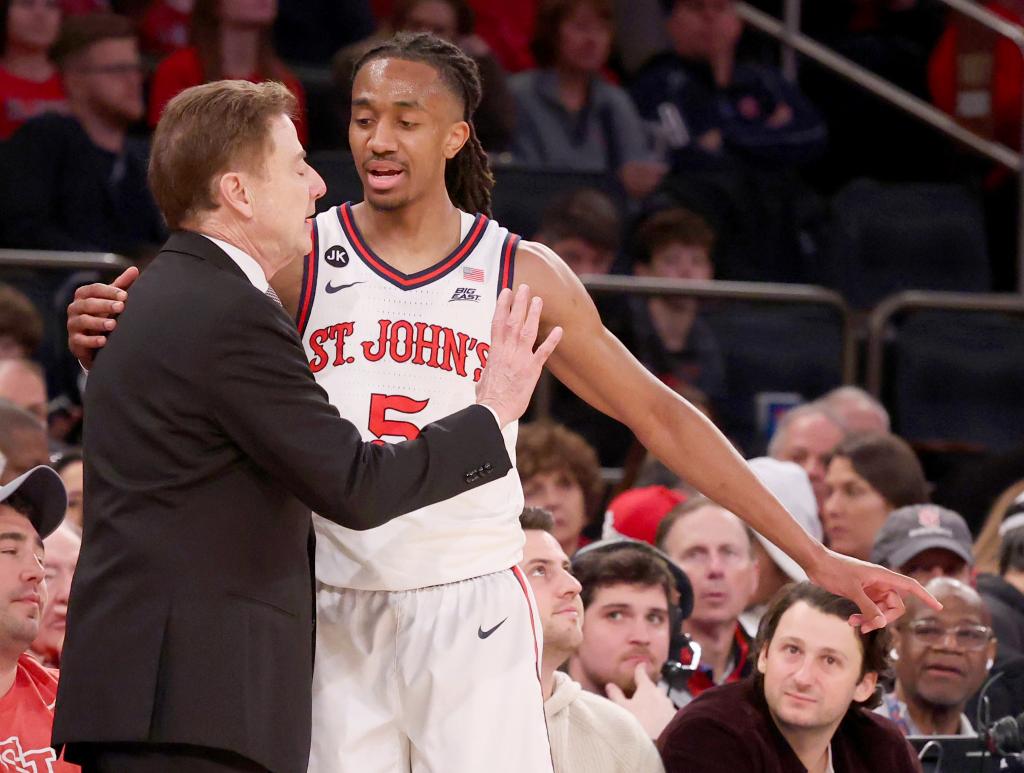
(467, 176)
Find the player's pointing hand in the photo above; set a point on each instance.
(513, 366)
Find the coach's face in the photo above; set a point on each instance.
(406, 125)
(281, 196)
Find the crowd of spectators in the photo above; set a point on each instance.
(667, 619)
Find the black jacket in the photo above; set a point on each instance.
(207, 442)
(1006, 604)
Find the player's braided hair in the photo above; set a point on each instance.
(467, 176)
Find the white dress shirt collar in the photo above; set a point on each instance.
(252, 270)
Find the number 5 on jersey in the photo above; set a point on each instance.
(382, 426)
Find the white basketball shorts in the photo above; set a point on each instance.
(444, 679)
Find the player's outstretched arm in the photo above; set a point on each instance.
(598, 368)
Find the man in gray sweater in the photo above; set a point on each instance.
(587, 732)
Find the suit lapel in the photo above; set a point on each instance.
(192, 243)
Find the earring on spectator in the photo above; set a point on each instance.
(893, 654)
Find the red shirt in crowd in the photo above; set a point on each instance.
(164, 29)
(182, 70)
(508, 29)
(1006, 84)
(26, 721)
(21, 99)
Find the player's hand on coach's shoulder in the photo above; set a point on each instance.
(513, 366)
(91, 314)
(877, 591)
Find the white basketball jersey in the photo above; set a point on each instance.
(395, 352)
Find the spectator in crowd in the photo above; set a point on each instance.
(62, 548)
(869, 477)
(560, 474)
(80, 181)
(71, 469)
(667, 333)
(791, 486)
(807, 435)
(637, 513)
(31, 507)
(21, 327)
(508, 29)
(22, 442)
(229, 39)
(807, 707)
(450, 20)
(22, 383)
(941, 659)
(856, 410)
(708, 105)
(588, 733)
(987, 548)
(584, 228)
(716, 550)
(29, 82)
(1004, 592)
(627, 593)
(923, 542)
(164, 26)
(568, 116)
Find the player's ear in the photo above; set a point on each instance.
(458, 135)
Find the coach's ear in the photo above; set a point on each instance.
(458, 134)
(230, 190)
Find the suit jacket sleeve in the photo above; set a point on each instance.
(267, 401)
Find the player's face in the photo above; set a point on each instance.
(62, 549)
(560, 494)
(854, 510)
(556, 590)
(809, 441)
(584, 39)
(22, 584)
(111, 79)
(625, 625)
(712, 547)
(811, 669)
(283, 195)
(406, 124)
(32, 24)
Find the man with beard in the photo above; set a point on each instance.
(941, 660)
(805, 710)
(587, 732)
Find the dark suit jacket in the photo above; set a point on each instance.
(730, 728)
(207, 442)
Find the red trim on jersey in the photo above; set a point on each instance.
(508, 260)
(420, 278)
(308, 287)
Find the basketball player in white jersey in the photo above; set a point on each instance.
(427, 640)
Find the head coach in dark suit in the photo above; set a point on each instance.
(207, 442)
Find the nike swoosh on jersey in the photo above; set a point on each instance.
(335, 288)
(484, 634)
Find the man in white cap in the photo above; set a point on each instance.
(789, 482)
(31, 507)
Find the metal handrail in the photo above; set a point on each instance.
(879, 86)
(755, 292)
(55, 259)
(788, 33)
(913, 300)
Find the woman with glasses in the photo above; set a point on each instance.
(941, 659)
(29, 82)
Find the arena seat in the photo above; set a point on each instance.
(885, 238)
(772, 349)
(957, 376)
(521, 195)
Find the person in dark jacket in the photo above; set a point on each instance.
(1004, 593)
(807, 706)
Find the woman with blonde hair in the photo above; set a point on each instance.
(986, 547)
